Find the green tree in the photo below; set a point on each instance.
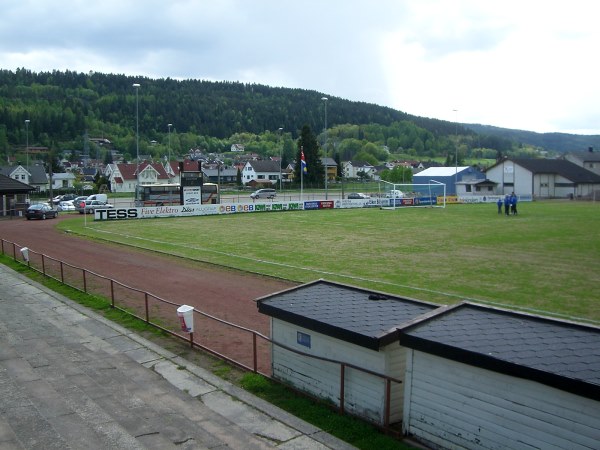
(307, 143)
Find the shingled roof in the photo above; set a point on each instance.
(366, 318)
(10, 186)
(566, 169)
(553, 352)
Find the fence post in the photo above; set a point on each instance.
(255, 358)
(191, 339)
(14, 251)
(62, 273)
(43, 265)
(84, 281)
(146, 307)
(342, 386)
(112, 293)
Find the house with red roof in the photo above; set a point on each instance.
(124, 177)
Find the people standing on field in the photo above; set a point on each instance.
(499, 203)
(513, 204)
(507, 204)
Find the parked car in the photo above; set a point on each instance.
(358, 195)
(89, 206)
(263, 193)
(40, 211)
(56, 200)
(394, 193)
(66, 206)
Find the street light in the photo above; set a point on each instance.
(169, 125)
(455, 151)
(325, 145)
(27, 140)
(137, 141)
(280, 156)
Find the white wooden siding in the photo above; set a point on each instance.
(364, 394)
(455, 405)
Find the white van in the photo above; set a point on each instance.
(263, 193)
(102, 198)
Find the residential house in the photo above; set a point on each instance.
(589, 160)
(261, 172)
(237, 148)
(352, 169)
(34, 176)
(543, 178)
(123, 177)
(221, 174)
(331, 167)
(63, 180)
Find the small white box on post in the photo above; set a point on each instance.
(186, 318)
(25, 253)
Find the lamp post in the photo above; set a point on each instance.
(27, 141)
(455, 151)
(136, 86)
(280, 157)
(325, 145)
(169, 125)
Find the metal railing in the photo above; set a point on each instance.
(161, 313)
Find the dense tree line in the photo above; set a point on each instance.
(63, 106)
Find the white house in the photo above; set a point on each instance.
(63, 180)
(589, 160)
(352, 169)
(123, 177)
(261, 171)
(485, 378)
(543, 178)
(32, 175)
(319, 325)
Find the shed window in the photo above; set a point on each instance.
(303, 339)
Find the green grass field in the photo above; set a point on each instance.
(546, 260)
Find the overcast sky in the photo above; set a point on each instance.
(524, 64)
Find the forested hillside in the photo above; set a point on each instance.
(63, 107)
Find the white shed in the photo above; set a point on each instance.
(484, 378)
(336, 322)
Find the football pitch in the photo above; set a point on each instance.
(546, 260)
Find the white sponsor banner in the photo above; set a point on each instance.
(192, 195)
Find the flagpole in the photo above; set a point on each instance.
(301, 172)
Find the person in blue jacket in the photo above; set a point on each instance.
(507, 204)
(513, 204)
(499, 203)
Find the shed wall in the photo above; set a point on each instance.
(364, 394)
(454, 405)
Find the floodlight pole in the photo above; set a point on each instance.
(169, 125)
(27, 141)
(280, 157)
(137, 142)
(455, 153)
(325, 145)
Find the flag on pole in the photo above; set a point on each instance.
(302, 161)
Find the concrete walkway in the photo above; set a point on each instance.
(72, 379)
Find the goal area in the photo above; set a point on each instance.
(401, 195)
